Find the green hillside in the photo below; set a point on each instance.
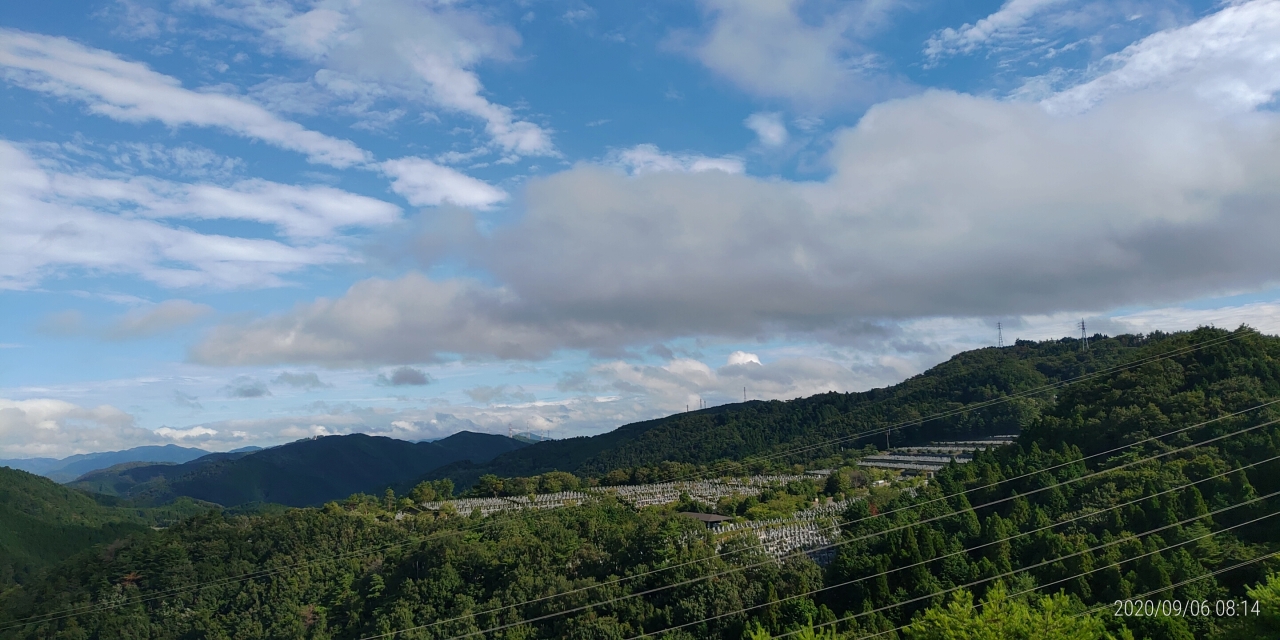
(1035, 515)
(302, 473)
(42, 522)
(738, 431)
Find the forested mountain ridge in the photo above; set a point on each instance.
(1037, 514)
(41, 523)
(742, 430)
(303, 473)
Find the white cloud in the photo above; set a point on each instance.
(769, 127)
(131, 92)
(1004, 23)
(185, 160)
(299, 211)
(163, 317)
(186, 434)
(1229, 59)
(56, 221)
(1263, 316)
(423, 51)
(804, 52)
(425, 183)
(925, 214)
(647, 158)
(45, 427)
(742, 357)
(937, 206)
(683, 382)
(384, 321)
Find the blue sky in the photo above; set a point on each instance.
(226, 223)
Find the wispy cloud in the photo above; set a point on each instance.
(1005, 23)
(1227, 59)
(131, 92)
(156, 319)
(60, 221)
(426, 52)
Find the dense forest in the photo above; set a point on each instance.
(1156, 482)
(42, 523)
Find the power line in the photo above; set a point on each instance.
(1048, 562)
(1099, 607)
(1117, 541)
(878, 515)
(840, 543)
(1265, 556)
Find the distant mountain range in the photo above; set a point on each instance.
(303, 473)
(67, 469)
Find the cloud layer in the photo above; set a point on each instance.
(48, 427)
(938, 205)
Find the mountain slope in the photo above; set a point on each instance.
(303, 473)
(736, 431)
(70, 468)
(42, 522)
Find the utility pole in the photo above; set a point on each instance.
(999, 336)
(744, 394)
(1084, 337)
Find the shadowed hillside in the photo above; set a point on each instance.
(302, 473)
(41, 522)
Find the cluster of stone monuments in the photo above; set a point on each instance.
(934, 456)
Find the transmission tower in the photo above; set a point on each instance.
(999, 336)
(1084, 337)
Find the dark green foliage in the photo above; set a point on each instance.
(425, 569)
(41, 523)
(1090, 418)
(303, 473)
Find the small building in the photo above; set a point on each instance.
(713, 521)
